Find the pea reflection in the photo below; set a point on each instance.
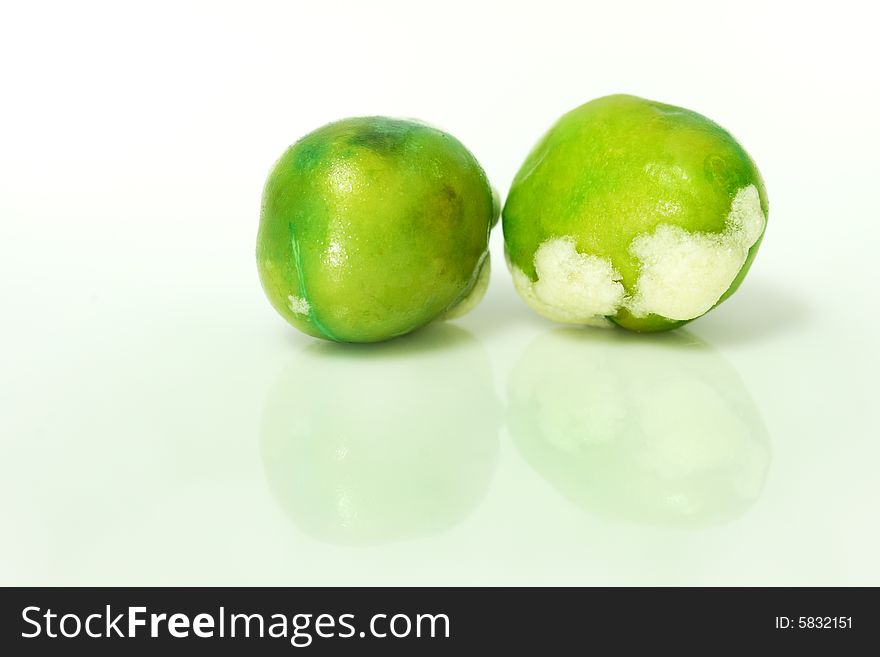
(368, 444)
(656, 429)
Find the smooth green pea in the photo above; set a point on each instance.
(373, 227)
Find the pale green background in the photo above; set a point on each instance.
(161, 425)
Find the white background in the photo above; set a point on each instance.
(138, 352)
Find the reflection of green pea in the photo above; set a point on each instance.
(373, 227)
(367, 446)
(657, 430)
(634, 213)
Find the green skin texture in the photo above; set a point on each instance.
(381, 225)
(589, 178)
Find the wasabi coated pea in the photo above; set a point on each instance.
(634, 213)
(373, 227)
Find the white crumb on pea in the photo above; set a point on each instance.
(298, 305)
(572, 287)
(682, 274)
(470, 301)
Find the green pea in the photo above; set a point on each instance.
(373, 227)
(634, 213)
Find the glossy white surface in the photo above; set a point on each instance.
(161, 425)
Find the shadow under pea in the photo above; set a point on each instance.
(371, 444)
(653, 429)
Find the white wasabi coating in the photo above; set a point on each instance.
(684, 274)
(478, 291)
(298, 305)
(572, 287)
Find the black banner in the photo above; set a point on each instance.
(110, 621)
